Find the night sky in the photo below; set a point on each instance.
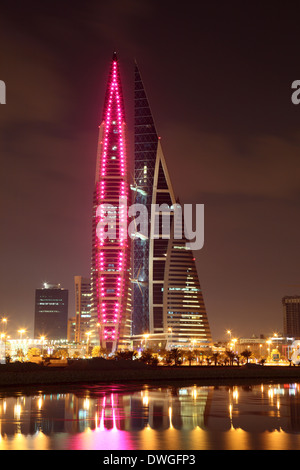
(218, 77)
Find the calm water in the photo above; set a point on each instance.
(152, 418)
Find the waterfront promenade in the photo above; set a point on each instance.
(18, 374)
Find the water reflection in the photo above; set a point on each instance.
(194, 417)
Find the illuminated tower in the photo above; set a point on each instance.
(167, 298)
(110, 281)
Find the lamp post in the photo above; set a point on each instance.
(170, 332)
(42, 339)
(4, 321)
(146, 336)
(88, 334)
(21, 332)
(269, 342)
(260, 346)
(229, 333)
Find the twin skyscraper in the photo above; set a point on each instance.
(143, 284)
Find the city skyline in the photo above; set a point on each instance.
(225, 105)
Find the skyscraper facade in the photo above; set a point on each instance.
(167, 297)
(110, 276)
(291, 316)
(82, 307)
(51, 312)
(184, 310)
(145, 150)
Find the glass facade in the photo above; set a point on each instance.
(167, 297)
(148, 285)
(185, 314)
(145, 150)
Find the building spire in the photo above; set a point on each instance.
(114, 81)
(111, 248)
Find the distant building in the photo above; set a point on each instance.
(15, 347)
(82, 307)
(258, 346)
(71, 329)
(51, 312)
(291, 316)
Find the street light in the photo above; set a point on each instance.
(4, 320)
(42, 339)
(276, 336)
(146, 336)
(269, 342)
(170, 332)
(88, 334)
(22, 331)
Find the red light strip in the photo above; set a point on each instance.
(110, 310)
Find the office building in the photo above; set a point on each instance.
(82, 307)
(51, 312)
(167, 297)
(291, 316)
(110, 276)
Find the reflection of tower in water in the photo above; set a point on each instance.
(184, 408)
(157, 409)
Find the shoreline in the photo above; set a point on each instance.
(123, 373)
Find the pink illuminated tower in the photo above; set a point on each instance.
(110, 276)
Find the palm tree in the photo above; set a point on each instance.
(237, 358)
(176, 355)
(216, 357)
(20, 354)
(230, 355)
(168, 358)
(127, 355)
(246, 354)
(7, 359)
(190, 356)
(149, 358)
(198, 354)
(98, 351)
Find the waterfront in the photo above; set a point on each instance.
(172, 417)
